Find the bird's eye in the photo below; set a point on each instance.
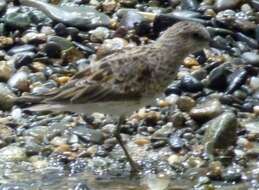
(197, 36)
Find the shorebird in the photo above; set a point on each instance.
(128, 79)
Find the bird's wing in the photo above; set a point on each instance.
(119, 76)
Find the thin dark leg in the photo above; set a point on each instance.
(135, 168)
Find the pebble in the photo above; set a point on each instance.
(206, 110)
(12, 153)
(7, 97)
(175, 142)
(83, 17)
(185, 103)
(191, 84)
(6, 41)
(21, 49)
(89, 135)
(63, 43)
(20, 81)
(251, 58)
(221, 132)
(111, 45)
(99, 34)
(18, 19)
(254, 83)
(53, 50)
(229, 4)
(6, 70)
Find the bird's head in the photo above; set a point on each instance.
(187, 36)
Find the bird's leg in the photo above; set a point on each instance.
(135, 168)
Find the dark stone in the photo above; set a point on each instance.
(218, 78)
(53, 50)
(173, 88)
(23, 59)
(87, 49)
(61, 29)
(236, 79)
(243, 38)
(191, 84)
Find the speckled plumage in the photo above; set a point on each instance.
(133, 76)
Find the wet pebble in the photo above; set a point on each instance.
(12, 153)
(18, 19)
(229, 4)
(99, 34)
(191, 84)
(53, 50)
(175, 142)
(7, 97)
(21, 49)
(221, 132)
(89, 135)
(20, 81)
(63, 43)
(6, 70)
(81, 186)
(251, 58)
(206, 110)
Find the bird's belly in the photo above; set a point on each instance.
(115, 108)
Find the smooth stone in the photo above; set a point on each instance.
(7, 97)
(206, 110)
(220, 133)
(18, 19)
(3, 5)
(21, 49)
(175, 142)
(20, 81)
(229, 4)
(6, 70)
(191, 84)
(232, 174)
(130, 19)
(12, 153)
(218, 78)
(164, 131)
(189, 5)
(255, 4)
(53, 50)
(185, 103)
(236, 79)
(111, 45)
(23, 59)
(88, 135)
(84, 17)
(251, 58)
(62, 42)
(81, 186)
(99, 34)
(254, 83)
(173, 88)
(61, 29)
(34, 38)
(251, 126)
(243, 38)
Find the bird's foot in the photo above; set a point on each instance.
(135, 168)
